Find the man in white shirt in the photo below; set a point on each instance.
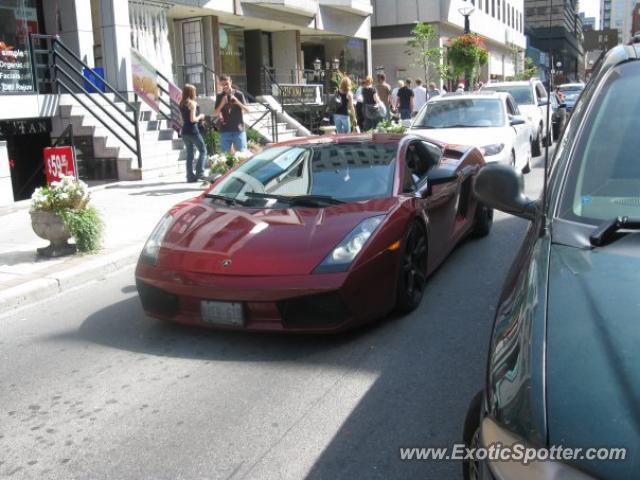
(420, 96)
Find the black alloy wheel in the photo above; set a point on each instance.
(413, 271)
(536, 147)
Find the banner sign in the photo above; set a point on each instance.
(298, 94)
(15, 63)
(59, 161)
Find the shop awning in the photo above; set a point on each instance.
(307, 8)
(357, 7)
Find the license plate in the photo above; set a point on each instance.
(222, 313)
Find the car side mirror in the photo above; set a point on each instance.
(438, 176)
(502, 187)
(516, 120)
(562, 105)
(543, 103)
(213, 178)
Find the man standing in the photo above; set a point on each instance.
(433, 91)
(384, 93)
(230, 106)
(420, 94)
(405, 101)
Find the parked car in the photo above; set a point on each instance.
(314, 235)
(563, 367)
(490, 121)
(558, 116)
(571, 92)
(532, 99)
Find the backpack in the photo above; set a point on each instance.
(371, 111)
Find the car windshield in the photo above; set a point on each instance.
(603, 180)
(571, 95)
(340, 172)
(462, 113)
(521, 93)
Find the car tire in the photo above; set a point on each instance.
(536, 146)
(471, 436)
(527, 168)
(483, 221)
(512, 159)
(412, 277)
(556, 131)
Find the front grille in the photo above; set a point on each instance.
(323, 310)
(157, 300)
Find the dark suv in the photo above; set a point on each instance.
(564, 358)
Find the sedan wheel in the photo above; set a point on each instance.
(471, 437)
(413, 271)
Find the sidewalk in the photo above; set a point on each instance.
(129, 211)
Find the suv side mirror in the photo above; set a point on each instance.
(502, 187)
(517, 120)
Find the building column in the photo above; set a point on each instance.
(287, 53)
(116, 43)
(71, 19)
(254, 61)
(6, 187)
(211, 50)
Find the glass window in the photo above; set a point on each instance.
(603, 180)
(522, 94)
(345, 171)
(18, 19)
(462, 113)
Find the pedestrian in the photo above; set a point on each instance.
(406, 101)
(559, 95)
(191, 137)
(433, 91)
(420, 95)
(230, 107)
(384, 93)
(341, 118)
(360, 106)
(394, 95)
(460, 88)
(370, 102)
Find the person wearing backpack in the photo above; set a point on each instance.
(370, 100)
(344, 107)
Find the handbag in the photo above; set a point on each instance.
(371, 111)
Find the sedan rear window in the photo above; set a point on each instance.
(462, 113)
(522, 93)
(603, 180)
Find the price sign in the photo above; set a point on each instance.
(59, 161)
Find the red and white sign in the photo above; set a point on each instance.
(59, 161)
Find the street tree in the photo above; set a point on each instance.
(426, 56)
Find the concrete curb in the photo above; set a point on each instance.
(67, 278)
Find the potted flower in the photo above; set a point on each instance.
(221, 163)
(61, 211)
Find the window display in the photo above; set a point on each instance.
(18, 19)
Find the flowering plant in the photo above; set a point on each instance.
(467, 53)
(69, 199)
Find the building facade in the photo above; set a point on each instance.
(635, 22)
(587, 22)
(555, 27)
(500, 22)
(618, 14)
(256, 42)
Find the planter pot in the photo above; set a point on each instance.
(51, 227)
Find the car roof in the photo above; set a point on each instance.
(376, 138)
(570, 85)
(515, 83)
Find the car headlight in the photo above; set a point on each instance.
(347, 250)
(151, 249)
(493, 149)
(522, 462)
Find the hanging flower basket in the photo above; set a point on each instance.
(467, 53)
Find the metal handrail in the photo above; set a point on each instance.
(55, 50)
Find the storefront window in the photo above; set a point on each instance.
(232, 54)
(18, 19)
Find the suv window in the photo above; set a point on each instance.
(523, 94)
(603, 179)
(541, 91)
(512, 109)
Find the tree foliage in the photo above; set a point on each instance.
(427, 57)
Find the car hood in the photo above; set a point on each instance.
(593, 352)
(206, 236)
(476, 137)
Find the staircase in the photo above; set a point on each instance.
(260, 120)
(161, 148)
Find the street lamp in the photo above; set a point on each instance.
(466, 13)
(335, 64)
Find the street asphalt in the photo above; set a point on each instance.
(90, 388)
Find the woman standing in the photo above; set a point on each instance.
(370, 100)
(341, 118)
(191, 133)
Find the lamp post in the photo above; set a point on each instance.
(466, 13)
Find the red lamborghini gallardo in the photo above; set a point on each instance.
(314, 235)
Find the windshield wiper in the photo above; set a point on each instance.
(604, 234)
(312, 200)
(227, 200)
